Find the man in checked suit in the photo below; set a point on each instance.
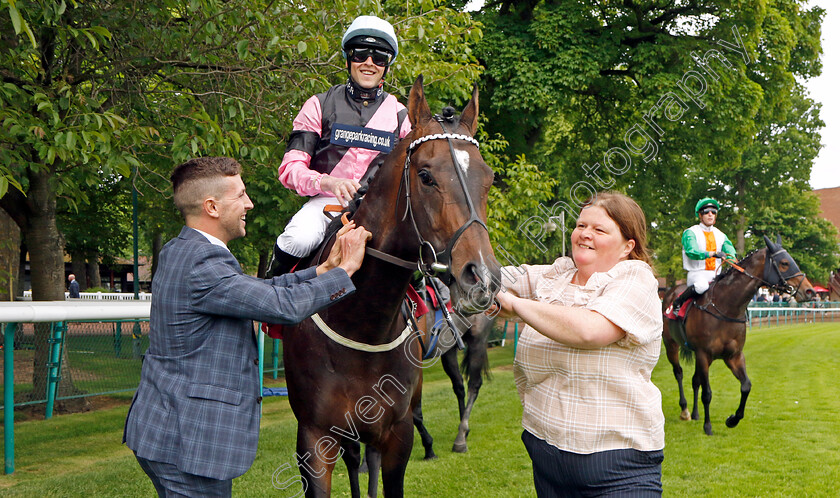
(194, 422)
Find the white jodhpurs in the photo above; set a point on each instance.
(700, 279)
(307, 227)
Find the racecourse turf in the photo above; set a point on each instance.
(787, 445)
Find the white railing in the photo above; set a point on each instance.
(100, 296)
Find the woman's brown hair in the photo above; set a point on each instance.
(629, 217)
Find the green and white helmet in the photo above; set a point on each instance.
(370, 31)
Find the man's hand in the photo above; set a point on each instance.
(353, 249)
(334, 259)
(342, 188)
(721, 255)
(347, 251)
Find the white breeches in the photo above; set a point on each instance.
(700, 279)
(307, 227)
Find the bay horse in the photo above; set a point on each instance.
(353, 370)
(715, 323)
(474, 367)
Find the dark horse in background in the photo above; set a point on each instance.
(474, 367)
(715, 324)
(360, 384)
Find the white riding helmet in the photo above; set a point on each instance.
(371, 26)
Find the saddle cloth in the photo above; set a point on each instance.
(670, 315)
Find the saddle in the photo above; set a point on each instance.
(670, 315)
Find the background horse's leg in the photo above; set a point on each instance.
(315, 468)
(672, 350)
(352, 457)
(396, 450)
(738, 365)
(425, 437)
(475, 365)
(449, 362)
(701, 378)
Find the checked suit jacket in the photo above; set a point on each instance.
(198, 402)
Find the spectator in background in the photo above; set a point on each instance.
(74, 287)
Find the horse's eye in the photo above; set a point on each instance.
(784, 264)
(426, 177)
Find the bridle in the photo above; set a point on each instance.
(441, 260)
(773, 278)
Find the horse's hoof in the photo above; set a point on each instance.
(430, 456)
(459, 447)
(708, 430)
(732, 421)
(695, 416)
(685, 415)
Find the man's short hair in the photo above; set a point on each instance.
(196, 179)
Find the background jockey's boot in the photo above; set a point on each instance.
(682, 298)
(282, 262)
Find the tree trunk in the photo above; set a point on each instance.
(46, 252)
(9, 256)
(93, 270)
(78, 267)
(22, 258)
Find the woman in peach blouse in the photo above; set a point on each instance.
(592, 417)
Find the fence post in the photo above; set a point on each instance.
(118, 338)
(54, 366)
(275, 355)
(9, 396)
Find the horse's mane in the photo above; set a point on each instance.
(741, 263)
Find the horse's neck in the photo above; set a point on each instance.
(734, 291)
(380, 285)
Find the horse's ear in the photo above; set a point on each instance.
(469, 116)
(418, 108)
(779, 239)
(768, 242)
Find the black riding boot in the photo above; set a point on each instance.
(282, 262)
(687, 294)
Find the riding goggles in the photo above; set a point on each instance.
(379, 57)
(708, 210)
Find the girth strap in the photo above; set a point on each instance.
(360, 346)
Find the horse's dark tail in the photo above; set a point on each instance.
(686, 353)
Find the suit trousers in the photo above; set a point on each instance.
(625, 472)
(171, 482)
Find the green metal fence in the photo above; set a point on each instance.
(767, 314)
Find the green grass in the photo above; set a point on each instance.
(787, 445)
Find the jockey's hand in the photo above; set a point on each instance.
(342, 188)
(721, 255)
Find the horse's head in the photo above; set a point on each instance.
(448, 182)
(782, 272)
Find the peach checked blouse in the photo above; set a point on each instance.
(589, 400)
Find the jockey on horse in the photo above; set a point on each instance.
(340, 137)
(704, 246)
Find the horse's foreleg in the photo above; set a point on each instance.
(425, 437)
(352, 458)
(374, 462)
(449, 362)
(738, 365)
(701, 378)
(396, 450)
(672, 349)
(316, 460)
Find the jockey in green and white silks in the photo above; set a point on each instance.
(704, 248)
